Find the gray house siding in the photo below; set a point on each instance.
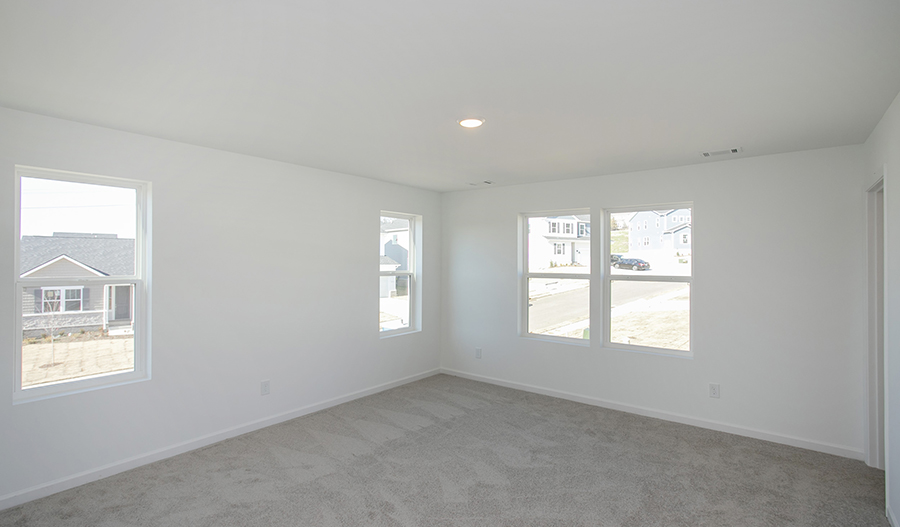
(652, 230)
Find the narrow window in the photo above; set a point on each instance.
(79, 237)
(399, 310)
(556, 283)
(648, 302)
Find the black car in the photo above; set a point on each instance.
(613, 258)
(635, 264)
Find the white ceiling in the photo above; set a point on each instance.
(569, 88)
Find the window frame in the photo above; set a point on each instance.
(608, 278)
(413, 274)
(525, 274)
(140, 282)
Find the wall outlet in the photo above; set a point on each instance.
(264, 387)
(477, 353)
(714, 390)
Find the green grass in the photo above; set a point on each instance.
(618, 242)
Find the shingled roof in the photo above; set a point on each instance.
(107, 253)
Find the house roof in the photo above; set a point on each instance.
(394, 225)
(107, 253)
(387, 260)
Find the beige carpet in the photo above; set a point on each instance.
(447, 451)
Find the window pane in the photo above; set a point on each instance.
(76, 229)
(654, 242)
(653, 314)
(394, 244)
(559, 306)
(555, 246)
(83, 341)
(394, 303)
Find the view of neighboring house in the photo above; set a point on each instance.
(559, 240)
(72, 307)
(660, 230)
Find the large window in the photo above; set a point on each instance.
(399, 296)
(648, 288)
(556, 277)
(82, 282)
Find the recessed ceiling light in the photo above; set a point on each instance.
(471, 122)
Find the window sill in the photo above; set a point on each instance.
(397, 333)
(585, 343)
(88, 384)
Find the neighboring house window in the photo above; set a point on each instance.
(649, 309)
(400, 266)
(79, 237)
(63, 299)
(555, 300)
(567, 228)
(582, 231)
(554, 227)
(657, 222)
(684, 238)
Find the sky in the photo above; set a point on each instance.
(50, 206)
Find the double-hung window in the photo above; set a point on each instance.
(648, 289)
(82, 282)
(556, 283)
(399, 269)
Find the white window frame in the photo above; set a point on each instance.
(582, 229)
(525, 275)
(414, 273)
(608, 278)
(567, 228)
(554, 227)
(559, 249)
(140, 280)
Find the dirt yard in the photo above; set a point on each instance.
(74, 356)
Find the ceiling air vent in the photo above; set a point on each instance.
(726, 152)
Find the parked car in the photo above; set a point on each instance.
(635, 264)
(613, 258)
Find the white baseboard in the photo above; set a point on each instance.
(68, 482)
(827, 448)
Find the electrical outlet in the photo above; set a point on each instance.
(714, 390)
(477, 353)
(264, 387)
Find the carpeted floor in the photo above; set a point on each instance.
(447, 451)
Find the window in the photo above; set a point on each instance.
(53, 299)
(554, 227)
(555, 287)
(582, 229)
(399, 297)
(80, 238)
(647, 307)
(567, 228)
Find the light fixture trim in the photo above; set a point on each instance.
(471, 122)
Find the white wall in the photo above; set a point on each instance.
(883, 157)
(779, 298)
(241, 293)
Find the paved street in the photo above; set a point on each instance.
(655, 314)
